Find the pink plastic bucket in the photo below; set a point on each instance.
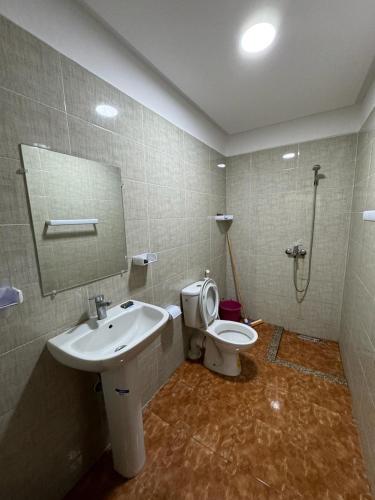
(230, 310)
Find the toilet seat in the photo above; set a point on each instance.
(209, 302)
(233, 334)
(220, 341)
(228, 333)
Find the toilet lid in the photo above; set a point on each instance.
(209, 302)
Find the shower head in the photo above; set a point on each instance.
(317, 176)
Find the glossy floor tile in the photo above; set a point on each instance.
(322, 356)
(271, 433)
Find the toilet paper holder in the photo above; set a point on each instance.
(143, 259)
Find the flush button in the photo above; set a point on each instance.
(120, 347)
(127, 304)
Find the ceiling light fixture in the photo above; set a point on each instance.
(221, 165)
(106, 110)
(289, 156)
(258, 37)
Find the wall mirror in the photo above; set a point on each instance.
(77, 216)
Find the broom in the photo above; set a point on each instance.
(236, 286)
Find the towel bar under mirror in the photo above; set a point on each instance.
(64, 193)
(71, 222)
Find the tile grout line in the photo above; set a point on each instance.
(64, 98)
(126, 136)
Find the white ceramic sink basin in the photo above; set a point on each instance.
(100, 345)
(110, 346)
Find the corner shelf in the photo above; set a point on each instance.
(223, 217)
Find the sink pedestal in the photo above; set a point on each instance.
(111, 346)
(123, 403)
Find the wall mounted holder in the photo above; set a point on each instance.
(143, 259)
(10, 296)
(369, 215)
(221, 217)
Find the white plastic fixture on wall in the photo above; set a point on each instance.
(369, 215)
(143, 259)
(224, 217)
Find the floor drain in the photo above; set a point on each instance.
(307, 338)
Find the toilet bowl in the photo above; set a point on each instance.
(222, 340)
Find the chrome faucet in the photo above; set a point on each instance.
(101, 305)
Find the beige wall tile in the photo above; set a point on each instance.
(160, 134)
(24, 121)
(85, 91)
(170, 263)
(167, 233)
(271, 199)
(164, 202)
(198, 178)
(358, 317)
(195, 151)
(163, 169)
(135, 200)
(162, 214)
(29, 66)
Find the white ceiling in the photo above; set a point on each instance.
(319, 61)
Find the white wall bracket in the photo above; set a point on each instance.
(369, 215)
(143, 259)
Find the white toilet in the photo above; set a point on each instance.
(222, 339)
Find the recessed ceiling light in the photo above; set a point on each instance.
(221, 165)
(289, 156)
(258, 37)
(106, 110)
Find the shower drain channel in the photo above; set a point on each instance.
(118, 348)
(272, 358)
(306, 338)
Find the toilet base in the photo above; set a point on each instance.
(223, 362)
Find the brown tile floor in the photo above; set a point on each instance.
(322, 356)
(271, 433)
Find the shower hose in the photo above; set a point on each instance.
(303, 291)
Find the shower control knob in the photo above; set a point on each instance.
(289, 251)
(302, 252)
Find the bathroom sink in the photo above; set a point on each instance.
(111, 346)
(101, 345)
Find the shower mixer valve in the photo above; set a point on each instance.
(296, 251)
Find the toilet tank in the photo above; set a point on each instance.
(190, 304)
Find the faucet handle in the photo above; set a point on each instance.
(97, 298)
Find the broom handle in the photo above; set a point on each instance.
(234, 267)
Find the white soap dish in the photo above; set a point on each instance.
(143, 259)
(10, 296)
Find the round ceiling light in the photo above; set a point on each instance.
(221, 165)
(106, 110)
(258, 37)
(289, 156)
